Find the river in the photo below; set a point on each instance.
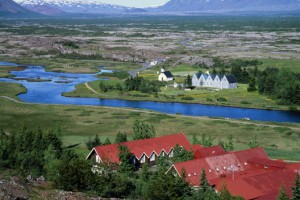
(47, 88)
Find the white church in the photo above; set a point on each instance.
(165, 75)
(214, 81)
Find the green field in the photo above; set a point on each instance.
(294, 65)
(81, 122)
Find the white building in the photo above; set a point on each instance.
(165, 75)
(214, 81)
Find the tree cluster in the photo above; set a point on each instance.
(142, 130)
(281, 84)
(282, 195)
(142, 85)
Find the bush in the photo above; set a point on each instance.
(189, 98)
(209, 99)
(221, 99)
(245, 102)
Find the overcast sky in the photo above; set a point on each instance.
(136, 3)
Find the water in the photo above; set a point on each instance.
(49, 92)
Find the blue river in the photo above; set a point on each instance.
(50, 90)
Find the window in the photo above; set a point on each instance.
(171, 153)
(152, 157)
(143, 159)
(98, 159)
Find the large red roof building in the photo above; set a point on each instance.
(249, 173)
(146, 150)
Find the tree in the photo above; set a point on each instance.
(142, 130)
(124, 157)
(251, 85)
(282, 194)
(180, 154)
(51, 163)
(226, 195)
(296, 188)
(74, 174)
(229, 146)
(206, 141)
(253, 143)
(188, 81)
(107, 141)
(287, 86)
(195, 139)
(121, 137)
(93, 143)
(204, 185)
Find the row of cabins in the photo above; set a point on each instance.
(214, 81)
(249, 173)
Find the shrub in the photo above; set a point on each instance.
(187, 98)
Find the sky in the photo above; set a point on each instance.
(136, 3)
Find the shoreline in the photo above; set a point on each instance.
(65, 94)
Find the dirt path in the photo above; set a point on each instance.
(91, 89)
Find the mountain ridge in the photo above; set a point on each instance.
(229, 5)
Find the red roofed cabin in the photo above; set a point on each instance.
(248, 173)
(143, 151)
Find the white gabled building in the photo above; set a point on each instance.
(165, 75)
(214, 81)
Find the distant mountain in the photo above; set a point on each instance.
(229, 5)
(75, 6)
(9, 7)
(44, 9)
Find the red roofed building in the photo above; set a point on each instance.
(249, 173)
(143, 151)
(208, 152)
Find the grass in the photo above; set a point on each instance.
(294, 65)
(239, 97)
(79, 123)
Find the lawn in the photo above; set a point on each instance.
(78, 123)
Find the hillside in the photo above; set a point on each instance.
(230, 5)
(11, 8)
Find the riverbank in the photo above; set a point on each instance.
(281, 140)
(238, 98)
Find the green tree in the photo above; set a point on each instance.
(121, 137)
(206, 141)
(51, 163)
(195, 139)
(107, 141)
(253, 143)
(296, 188)
(125, 164)
(204, 185)
(74, 174)
(229, 145)
(180, 154)
(287, 87)
(251, 85)
(282, 194)
(142, 130)
(93, 143)
(188, 81)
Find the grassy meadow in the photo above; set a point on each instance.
(79, 123)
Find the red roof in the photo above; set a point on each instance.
(242, 172)
(248, 154)
(209, 151)
(268, 162)
(195, 147)
(144, 147)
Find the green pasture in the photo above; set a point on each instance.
(79, 123)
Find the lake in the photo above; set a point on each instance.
(47, 87)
